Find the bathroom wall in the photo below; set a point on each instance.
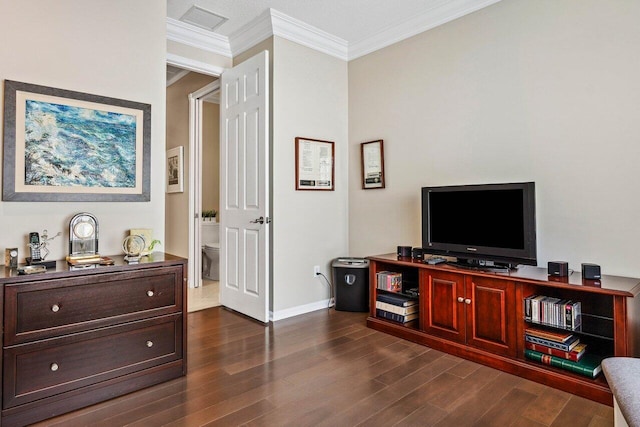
(211, 156)
(177, 204)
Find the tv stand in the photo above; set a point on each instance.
(480, 316)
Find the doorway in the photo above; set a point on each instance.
(196, 132)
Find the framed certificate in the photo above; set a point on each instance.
(314, 164)
(372, 154)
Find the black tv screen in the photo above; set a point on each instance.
(491, 222)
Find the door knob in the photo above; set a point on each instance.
(258, 221)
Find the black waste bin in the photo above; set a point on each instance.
(351, 279)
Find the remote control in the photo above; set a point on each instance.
(436, 260)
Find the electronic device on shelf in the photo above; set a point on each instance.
(435, 260)
(34, 247)
(492, 225)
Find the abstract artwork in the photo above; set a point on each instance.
(61, 145)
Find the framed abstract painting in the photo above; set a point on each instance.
(61, 145)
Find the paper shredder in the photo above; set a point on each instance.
(351, 281)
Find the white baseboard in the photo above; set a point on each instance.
(296, 311)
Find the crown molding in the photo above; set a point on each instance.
(274, 23)
(191, 35)
(251, 34)
(441, 14)
(299, 32)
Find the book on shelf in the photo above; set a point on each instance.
(396, 317)
(564, 346)
(389, 281)
(403, 311)
(557, 312)
(575, 354)
(399, 300)
(589, 365)
(559, 336)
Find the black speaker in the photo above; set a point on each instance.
(591, 271)
(417, 253)
(558, 268)
(404, 251)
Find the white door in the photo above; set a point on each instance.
(244, 188)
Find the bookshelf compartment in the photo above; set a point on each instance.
(395, 296)
(596, 318)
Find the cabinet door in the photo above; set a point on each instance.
(491, 315)
(444, 306)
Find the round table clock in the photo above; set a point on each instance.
(11, 257)
(83, 236)
(133, 245)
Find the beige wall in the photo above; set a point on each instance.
(543, 91)
(309, 227)
(211, 157)
(113, 48)
(177, 204)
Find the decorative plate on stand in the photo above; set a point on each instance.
(133, 245)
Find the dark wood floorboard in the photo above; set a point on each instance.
(327, 368)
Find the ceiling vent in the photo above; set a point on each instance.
(203, 18)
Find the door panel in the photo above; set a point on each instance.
(444, 315)
(244, 210)
(491, 315)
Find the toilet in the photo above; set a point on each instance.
(210, 238)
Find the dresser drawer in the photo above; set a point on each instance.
(46, 368)
(48, 308)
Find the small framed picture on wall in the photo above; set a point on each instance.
(175, 171)
(372, 156)
(314, 164)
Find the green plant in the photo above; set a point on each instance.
(209, 213)
(153, 243)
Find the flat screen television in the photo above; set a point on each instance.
(481, 225)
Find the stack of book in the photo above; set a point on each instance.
(397, 308)
(557, 312)
(562, 350)
(389, 281)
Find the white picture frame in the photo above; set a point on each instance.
(175, 170)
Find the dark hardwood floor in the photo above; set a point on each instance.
(328, 369)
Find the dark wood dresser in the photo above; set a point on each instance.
(75, 337)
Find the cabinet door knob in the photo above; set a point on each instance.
(149, 344)
(149, 293)
(460, 299)
(54, 367)
(467, 301)
(55, 308)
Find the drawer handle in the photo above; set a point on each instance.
(460, 299)
(149, 293)
(467, 301)
(55, 308)
(54, 367)
(149, 344)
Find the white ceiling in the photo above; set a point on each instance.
(364, 25)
